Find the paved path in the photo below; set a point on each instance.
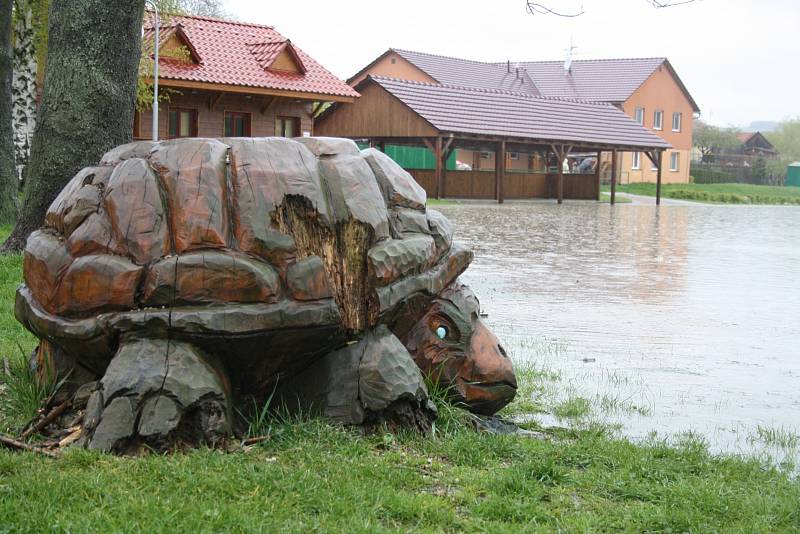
(651, 201)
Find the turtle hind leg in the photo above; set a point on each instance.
(160, 394)
(372, 382)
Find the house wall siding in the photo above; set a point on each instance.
(393, 66)
(211, 121)
(660, 92)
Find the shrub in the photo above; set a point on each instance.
(712, 176)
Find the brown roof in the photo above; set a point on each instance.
(745, 136)
(595, 80)
(468, 73)
(508, 114)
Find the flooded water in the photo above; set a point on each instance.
(681, 319)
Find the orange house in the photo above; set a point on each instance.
(234, 79)
(647, 89)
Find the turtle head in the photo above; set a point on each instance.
(452, 346)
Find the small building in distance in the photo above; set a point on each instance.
(648, 90)
(755, 145)
(233, 79)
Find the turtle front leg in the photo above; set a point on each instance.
(158, 393)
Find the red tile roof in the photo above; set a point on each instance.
(745, 136)
(239, 54)
(595, 80)
(512, 114)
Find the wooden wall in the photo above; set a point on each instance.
(375, 114)
(516, 185)
(210, 121)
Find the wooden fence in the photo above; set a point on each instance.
(516, 185)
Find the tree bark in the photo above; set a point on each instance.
(88, 100)
(23, 85)
(8, 184)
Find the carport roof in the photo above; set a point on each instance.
(494, 113)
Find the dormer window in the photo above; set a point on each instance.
(174, 45)
(277, 56)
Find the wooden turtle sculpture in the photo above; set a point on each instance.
(177, 282)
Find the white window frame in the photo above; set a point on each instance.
(674, 161)
(636, 162)
(677, 115)
(638, 115)
(658, 119)
(513, 155)
(486, 155)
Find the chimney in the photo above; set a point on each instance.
(509, 66)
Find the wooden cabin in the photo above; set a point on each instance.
(445, 118)
(233, 79)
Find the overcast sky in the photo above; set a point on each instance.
(740, 59)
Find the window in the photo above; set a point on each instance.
(637, 161)
(287, 126)
(658, 119)
(486, 155)
(237, 124)
(674, 161)
(182, 122)
(638, 115)
(513, 155)
(676, 122)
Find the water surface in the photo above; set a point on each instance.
(677, 319)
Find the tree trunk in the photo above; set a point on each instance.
(23, 85)
(8, 184)
(88, 100)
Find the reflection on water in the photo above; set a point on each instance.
(692, 312)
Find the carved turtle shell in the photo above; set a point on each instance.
(306, 242)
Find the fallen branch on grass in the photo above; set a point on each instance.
(46, 420)
(16, 445)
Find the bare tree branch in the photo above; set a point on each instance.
(668, 3)
(536, 8)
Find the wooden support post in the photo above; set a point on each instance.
(597, 172)
(447, 148)
(267, 103)
(382, 146)
(660, 158)
(499, 171)
(613, 177)
(437, 154)
(214, 100)
(561, 152)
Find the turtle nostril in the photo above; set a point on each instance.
(502, 351)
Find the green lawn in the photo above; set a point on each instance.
(718, 193)
(435, 202)
(606, 199)
(313, 476)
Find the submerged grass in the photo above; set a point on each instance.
(316, 476)
(719, 193)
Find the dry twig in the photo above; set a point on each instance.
(46, 420)
(13, 444)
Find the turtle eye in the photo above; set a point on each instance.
(441, 332)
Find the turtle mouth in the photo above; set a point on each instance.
(487, 398)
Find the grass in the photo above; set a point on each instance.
(719, 193)
(314, 476)
(606, 199)
(439, 202)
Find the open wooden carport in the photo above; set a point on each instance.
(444, 118)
